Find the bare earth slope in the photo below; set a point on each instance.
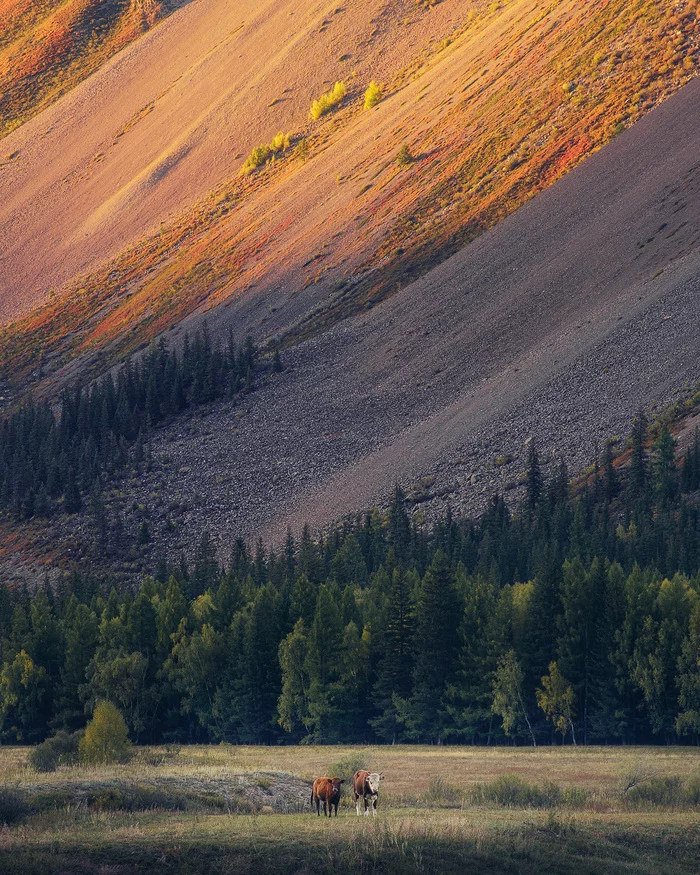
(558, 324)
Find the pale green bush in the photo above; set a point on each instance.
(262, 154)
(327, 101)
(373, 95)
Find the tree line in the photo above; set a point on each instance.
(50, 459)
(576, 618)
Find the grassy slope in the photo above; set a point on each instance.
(413, 833)
(49, 46)
(520, 95)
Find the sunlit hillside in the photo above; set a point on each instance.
(507, 100)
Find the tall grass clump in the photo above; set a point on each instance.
(668, 791)
(136, 797)
(373, 95)
(106, 738)
(13, 805)
(512, 791)
(262, 154)
(442, 794)
(327, 101)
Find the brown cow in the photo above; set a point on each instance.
(326, 790)
(365, 786)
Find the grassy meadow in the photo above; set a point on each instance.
(451, 809)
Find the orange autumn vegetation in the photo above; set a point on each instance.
(48, 46)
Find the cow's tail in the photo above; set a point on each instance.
(311, 801)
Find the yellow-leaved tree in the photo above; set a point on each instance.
(556, 699)
(106, 738)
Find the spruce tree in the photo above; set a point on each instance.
(399, 527)
(471, 694)
(436, 646)
(394, 673)
(72, 501)
(610, 480)
(293, 703)
(664, 464)
(638, 468)
(262, 665)
(80, 630)
(322, 665)
(534, 477)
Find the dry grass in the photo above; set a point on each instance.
(406, 837)
(409, 769)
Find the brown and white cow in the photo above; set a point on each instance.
(365, 786)
(326, 791)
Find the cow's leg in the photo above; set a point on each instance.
(357, 804)
(366, 806)
(374, 806)
(318, 807)
(325, 808)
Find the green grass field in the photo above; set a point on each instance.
(230, 809)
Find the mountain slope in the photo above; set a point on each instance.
(518, 94)
(560, 323)
(557, 325)
(167, 120)
(48, 46)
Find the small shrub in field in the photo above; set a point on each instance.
(574, 797)
(60, 750)
(509, 791)
(106, 739)
(257, 157)
(280, 143)
(441, 792)
(691, 791)
(404, 158)
(327, 101)
(373, 95)
(302, 149)
(549, 795)
(657, 791)
(347, 767)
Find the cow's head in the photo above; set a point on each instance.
(336, 782)
(373, 780)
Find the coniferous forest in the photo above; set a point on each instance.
(575, 619)
(51, 459)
